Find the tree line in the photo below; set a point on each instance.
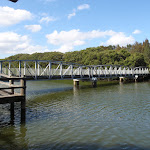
(134, 55)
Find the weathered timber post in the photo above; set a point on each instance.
(75, 82)
(12, 112)
(11, 82)
(23, 101)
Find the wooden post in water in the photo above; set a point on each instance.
(12, 112)
(121, 79)
(136, 78)
(23, 101)
(75, 82)
(94, 82)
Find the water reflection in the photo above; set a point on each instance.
(13, 138)
(106, 117)
(76, 90)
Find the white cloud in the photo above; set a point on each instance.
(136, 32)
(33, 28)
(119, 39)
(47, 19)
(13, 43)
(79, 8)
(71, 15)
(67, 40)
(84, 6)
(10, 16)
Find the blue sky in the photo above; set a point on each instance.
(30, 26)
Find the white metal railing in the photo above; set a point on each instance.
(52, 69)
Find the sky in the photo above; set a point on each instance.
(30, 26)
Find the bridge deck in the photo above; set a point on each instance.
(8, 95)
(7, 92)
(42, 69)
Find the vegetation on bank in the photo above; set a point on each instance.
(134, 55)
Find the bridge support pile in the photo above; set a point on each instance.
(9, 96)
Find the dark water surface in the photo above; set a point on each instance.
(59, 117)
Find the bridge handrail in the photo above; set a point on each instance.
(63, 69)
(70, 63)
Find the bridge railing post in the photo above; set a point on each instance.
(38, 69)
(105, 71)
(95, 70)
(19, 68)
(9, 72)
(89, 72)
(132, 72)
(24, 68)
(80, 72)
(50, 66)
(116, 73)
(35, 69)
(124, 71)
(98, 71)
(110, 71)
(61, 70)
(71, 71)
(119, 71)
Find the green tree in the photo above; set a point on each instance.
(146, 47)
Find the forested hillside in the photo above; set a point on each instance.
(134, 55)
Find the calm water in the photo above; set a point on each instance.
(60, 117)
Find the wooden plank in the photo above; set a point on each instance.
(3, 92)
(11, 98)
(4, 83)
(9, 77)
(12, 87)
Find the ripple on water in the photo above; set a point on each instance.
(115, 117)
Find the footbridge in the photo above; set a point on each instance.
(22, 70)
(46, 69)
